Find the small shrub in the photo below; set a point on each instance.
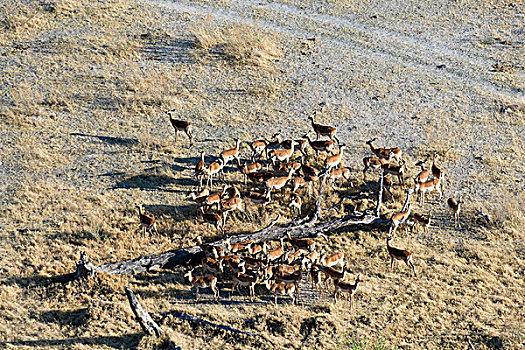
(238, 44)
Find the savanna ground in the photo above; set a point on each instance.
(84, 85)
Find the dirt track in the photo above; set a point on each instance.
(86, 140)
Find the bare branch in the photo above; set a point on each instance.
(146, 322)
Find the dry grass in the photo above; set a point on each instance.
(83, 89)
(241, 44)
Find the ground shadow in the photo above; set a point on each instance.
(169, 50)
(62, 318)
(128, 341)
(180, 212)
(146, 182)
(110, 140)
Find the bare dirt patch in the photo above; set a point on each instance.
(84, 87)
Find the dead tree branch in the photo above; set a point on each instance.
(380, 196)
(146, 322)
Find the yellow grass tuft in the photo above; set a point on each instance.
(239, 43)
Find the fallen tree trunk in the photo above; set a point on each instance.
(305, 228)
(146, 322)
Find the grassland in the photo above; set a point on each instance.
(84, 85)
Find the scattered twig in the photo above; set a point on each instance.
(470, 344)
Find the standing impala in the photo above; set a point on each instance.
(455, 206)
(345, 287)
(180, 125)
(396, 170)
(323, 130)
(429, 186)
(399, 219)
(399, 254)
(231, 154)
(385, 153)
(283, 289)
(320, 146)
(276, 183)
(147, 222)
(202, 282)
(334, 161)
(282, 155)
(372, 163)
(213, 169)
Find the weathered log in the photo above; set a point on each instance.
(193, 255)
(208, 323)
(146, 322)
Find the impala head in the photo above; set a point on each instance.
(188, 274)
(358, 279)
(370, 141)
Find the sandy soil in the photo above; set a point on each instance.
(85, 138)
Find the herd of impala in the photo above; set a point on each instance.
(278, 268)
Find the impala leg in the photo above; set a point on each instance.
(190, 136)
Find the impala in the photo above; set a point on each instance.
(372, 163)
(231, 154)
(213, 169)
(424, 174)
(258, 147)
(283, 289)
(147, 222)
(330, 272)
(323, 130)
(334, 161)
(334, 259)
(202, 282)
(244, 280)
(399, 254)
(399, 219)
(282, 155)
(429, 186)
(338, 173)
(423, 221)
(180, 125)
(320, 146)
(307, 244)
(385, 153)
(396, 170)
(276, 253)
(212, 265)
(454, 207)
(213, 219)
(345, 287)
(276, 183)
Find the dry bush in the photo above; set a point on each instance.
(508, 211)
(238, 44)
